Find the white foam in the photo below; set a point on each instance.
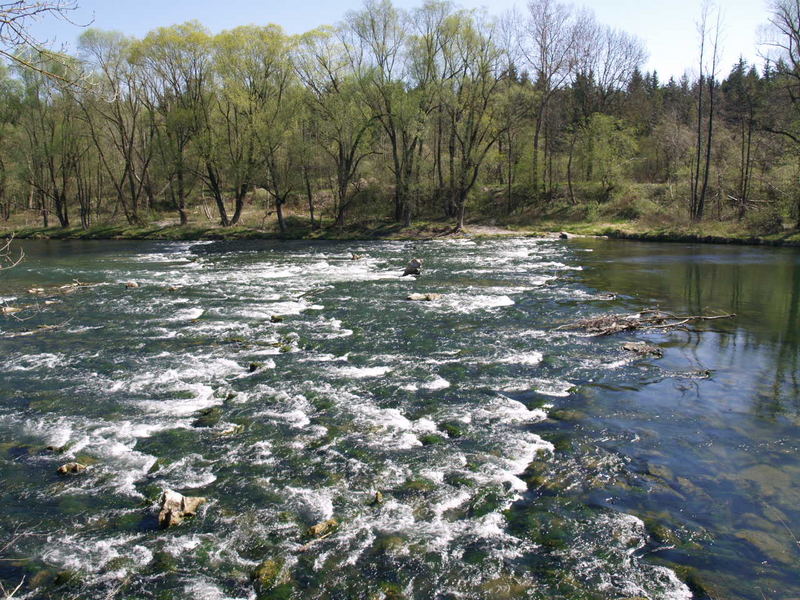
(531, 358)
(474, 302)
(76, 553)
(32, 362)
(506, 410)
(360, 372)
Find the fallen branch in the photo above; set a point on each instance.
(307, 547)
(645, 320)
(39, 329)
(5, 255)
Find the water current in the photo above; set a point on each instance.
(290, 385)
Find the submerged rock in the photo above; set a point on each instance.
(276, 319)
(208, 417)
(71, 468)
(413, 267)
(175, 506)
(268, 574)
(775, 550)
(131, 285)
(643, 349)
(423, 297)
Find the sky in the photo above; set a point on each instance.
(668, 28)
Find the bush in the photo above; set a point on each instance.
(765, 221)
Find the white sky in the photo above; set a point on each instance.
(668, 28)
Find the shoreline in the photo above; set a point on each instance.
(421, 232)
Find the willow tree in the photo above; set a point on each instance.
(248, 117)
(176, 67)
(9, 117)
(392, 54)
(115, 112)
(344, 128)
(471, 100)
(53, 136)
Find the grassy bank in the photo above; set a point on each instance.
(613, 220)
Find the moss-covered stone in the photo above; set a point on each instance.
(208, 417)
(451, 428)
(268, 574)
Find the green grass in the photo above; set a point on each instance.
(573, 219)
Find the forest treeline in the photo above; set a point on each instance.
(401, 115)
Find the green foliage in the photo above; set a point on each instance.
(765, 221)
(393, 114)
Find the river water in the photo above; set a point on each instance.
(288, 384)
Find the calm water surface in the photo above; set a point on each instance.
(515, 460)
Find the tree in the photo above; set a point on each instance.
(114, 110)
(783, 46)
(550, 43)
(254, 73)
(742, 103)
(176, 63)
(475, 67)
(344, 129)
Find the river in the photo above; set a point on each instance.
(289, 384)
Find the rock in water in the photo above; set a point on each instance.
(71, 467)
(564, 235)
(423, 297)
(175, 506)
(413, 267)
(643, 349)
(323, 528)
(131, 285)
(268, 574)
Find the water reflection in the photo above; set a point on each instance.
(718, 455)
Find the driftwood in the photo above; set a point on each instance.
(39, 329)
(62, 289)
(645, 320)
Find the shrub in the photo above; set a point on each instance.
(765, 221)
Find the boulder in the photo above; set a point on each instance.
(131, 285)
(413, 267)
(355, 256)
(71, 468)
(423, 297)
(324, 528)
(175, 506)
(563, 235)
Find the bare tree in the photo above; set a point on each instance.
(17, 43)
(708, 74)
(548, 42)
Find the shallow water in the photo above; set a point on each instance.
(515, 460)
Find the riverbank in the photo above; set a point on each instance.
(712, 234)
